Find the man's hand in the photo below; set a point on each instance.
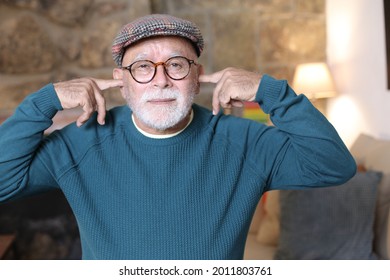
(232, 87)
(86, 93)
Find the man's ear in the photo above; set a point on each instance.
(200, 69)
(200, 72)
(117, 74)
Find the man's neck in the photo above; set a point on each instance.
(153, 133)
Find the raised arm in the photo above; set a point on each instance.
(303, 149)
(21, 134)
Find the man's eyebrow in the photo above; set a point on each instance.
(143, 56)
(140, 56)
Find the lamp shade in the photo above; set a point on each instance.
(314, 80)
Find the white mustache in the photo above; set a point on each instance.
(160, 94)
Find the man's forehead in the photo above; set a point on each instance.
(167, 46)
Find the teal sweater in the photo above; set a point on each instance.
(191, 196)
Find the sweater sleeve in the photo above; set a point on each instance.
(306, 149)
(21, 173)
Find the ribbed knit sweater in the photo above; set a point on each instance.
(191, 196)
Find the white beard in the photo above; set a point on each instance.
(161, 117)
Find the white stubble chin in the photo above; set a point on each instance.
(161, 115)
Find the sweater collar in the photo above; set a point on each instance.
(162, 136)
(201, 120)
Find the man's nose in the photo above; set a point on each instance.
(161, 78)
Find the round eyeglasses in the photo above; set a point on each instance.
(176, 68)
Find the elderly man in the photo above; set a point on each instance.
(163, 178)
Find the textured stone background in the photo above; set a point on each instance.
(45, 41)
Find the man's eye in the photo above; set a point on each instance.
(175, 65)
(143, 66)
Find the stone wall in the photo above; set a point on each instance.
(45, 41)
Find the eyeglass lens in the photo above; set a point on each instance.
(176, 68)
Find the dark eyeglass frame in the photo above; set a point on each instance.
(156, 64)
